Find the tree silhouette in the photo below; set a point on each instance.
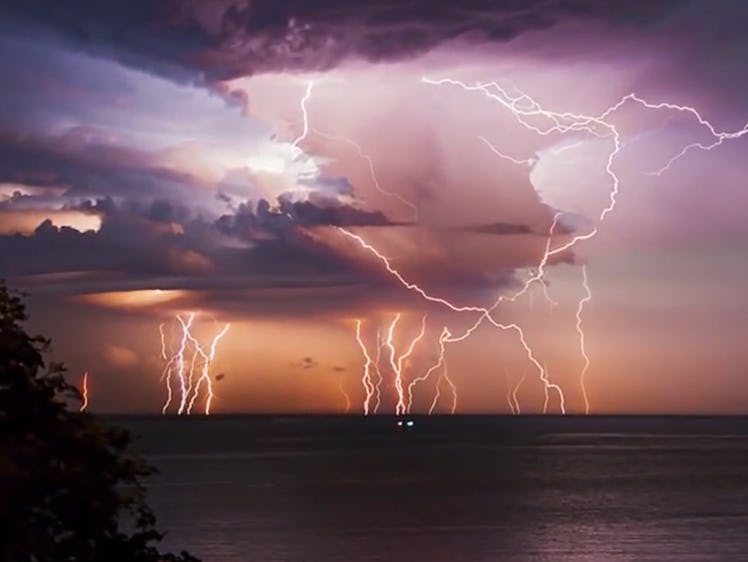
(71, 487)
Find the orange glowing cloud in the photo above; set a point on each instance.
(132, 299)
(26, 221)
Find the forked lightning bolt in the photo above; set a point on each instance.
(517, 408)
(397, 365)
(366, 378)
(178, 366)
(440, 362)
(531, 115)
(372, 172)
(485, 313)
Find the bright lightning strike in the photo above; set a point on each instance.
(178, 366)
(366, 377)
(587, 298)
(305, 116)
(486, 313)
(439, 362)
(531, 115)
(84, 392)
(397, 365)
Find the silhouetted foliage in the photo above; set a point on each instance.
(71, 487)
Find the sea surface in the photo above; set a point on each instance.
(450, 489)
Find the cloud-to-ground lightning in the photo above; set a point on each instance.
(509, 388)
(444, 377)
(178, 366)
(397, 364)
(531, 115)
(344, 393)
(366, 377)
(515, 390)
(380, 378)
(524, 109)
(84, 392)
(582, 302)
(485, 313)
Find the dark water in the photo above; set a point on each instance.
(452, 489)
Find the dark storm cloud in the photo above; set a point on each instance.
(140, 242)
(126, 246)
(499, 228)
(198, 41)
(86, 164)
(251, 222)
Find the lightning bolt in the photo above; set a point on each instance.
(509, 389)
(372, 391)
(84, 392)
(444, 377)
(380, 378)
(587, 298)
(718, 136)
(522, 162)
(346, 397)
(439, 362)
(531, 115)
(486, 313)
(517, 409)
(176, 367)
(366, 377)
(372, 172)
(205, 375)
(397, 365)
(305, 119)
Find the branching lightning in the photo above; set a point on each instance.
(372, 172)
(366, 378)
(439, 363)
(486, 313)
(532, 116)
(517, 409)
(397, 365)
(178, 366)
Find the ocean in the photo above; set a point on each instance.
(449, 489)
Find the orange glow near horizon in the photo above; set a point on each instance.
(26, 222)
(133, 299)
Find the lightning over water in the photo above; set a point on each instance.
(188, 369)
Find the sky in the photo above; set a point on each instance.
(287, 206)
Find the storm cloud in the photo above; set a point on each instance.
(224, 39)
